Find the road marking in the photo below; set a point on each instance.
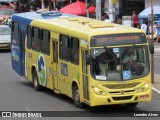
(29, 111)
(157, 48)
(155, 90)
(27, 108)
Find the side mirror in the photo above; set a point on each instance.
(88, 59)
(151, 48)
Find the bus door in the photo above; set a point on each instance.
(15, 47)
(85, 80)
(55, 64)
(23, 33)
(16, 37)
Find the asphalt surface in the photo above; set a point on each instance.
(17, 94)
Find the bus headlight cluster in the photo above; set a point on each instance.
(98, 91)
(144, 87)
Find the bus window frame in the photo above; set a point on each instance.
(29, 37)
(15, 29)
(36, 39)
(77, 49)
(64, 48)
(48, 41)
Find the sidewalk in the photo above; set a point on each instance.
(156, 84)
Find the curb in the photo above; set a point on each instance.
(156, 90)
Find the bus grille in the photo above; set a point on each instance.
(121, 86)
(122, 98)
(119, 92)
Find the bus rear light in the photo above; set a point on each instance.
(144, 96)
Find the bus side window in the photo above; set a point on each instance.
(15, 33)
(36, 39)
(64, 47)
(74, 50)
(29, 41)
(45, 42)
(13, 27)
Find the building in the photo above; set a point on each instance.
(125, 7)
(148, 3)
(112, 7)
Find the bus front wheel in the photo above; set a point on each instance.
(76, 96)
(36, 85)
(131, 104)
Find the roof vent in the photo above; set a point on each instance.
(63, 17)
(73, 19)
(51, 13)
(83, 21)
(95, 25)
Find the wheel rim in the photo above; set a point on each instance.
(77, 96)
(35, 82)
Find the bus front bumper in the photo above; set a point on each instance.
(96, 100)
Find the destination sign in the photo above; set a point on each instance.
(105, 40)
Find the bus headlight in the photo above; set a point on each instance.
(98, 91)
(144, 87)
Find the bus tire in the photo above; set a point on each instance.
(76, 96)
(131, 105)
(36, 84)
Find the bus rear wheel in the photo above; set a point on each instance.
(36, 84)
(131, 105)
(76, 96)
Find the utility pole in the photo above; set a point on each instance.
(42, 4)
(110, 11)
(98, 9)
(152, 42)
(87, 8)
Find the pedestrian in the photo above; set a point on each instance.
(149, 31)
(32, 7)
(139, 26)
(18, 7)
(119, 19)
(144, 26)
(49, 8)
(23, 8)
(105, 18)
(135, 19)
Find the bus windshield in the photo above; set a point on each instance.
(120, 63)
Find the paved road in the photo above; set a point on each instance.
(17, 94)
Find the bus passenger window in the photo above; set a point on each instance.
(36, 39)
(64, 47)
(15, 33)
(29, 45)
(45, 42)
(74, 50)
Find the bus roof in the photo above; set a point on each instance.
(28, 17)
(85, 26)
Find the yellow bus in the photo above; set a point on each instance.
(92, 62)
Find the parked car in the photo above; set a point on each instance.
(6, 10)
(5, 37)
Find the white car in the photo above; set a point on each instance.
(5, 37)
